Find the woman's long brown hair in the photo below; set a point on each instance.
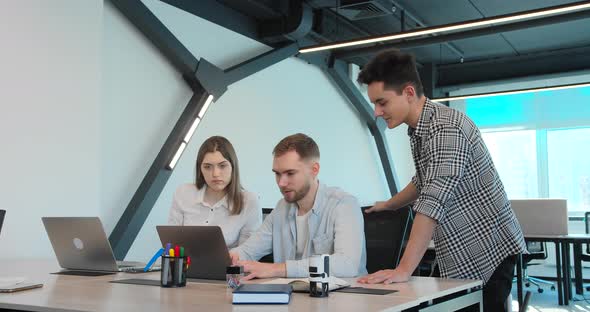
(234, 188)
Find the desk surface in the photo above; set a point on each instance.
(573, 238)
(75, 293)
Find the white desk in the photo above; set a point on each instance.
(76, 293)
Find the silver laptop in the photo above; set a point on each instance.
(81, 244)
(204, 244)
(541, 216)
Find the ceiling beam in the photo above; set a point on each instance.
(418, 20)
(219, 14)
(412, 43)
(534, 64)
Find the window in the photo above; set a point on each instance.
(540, 148)
(515, 156)
(569, 167)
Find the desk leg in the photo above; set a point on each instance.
(568, 271)
(559, 270)
(578, 268)
(565, 264)
(519, 279)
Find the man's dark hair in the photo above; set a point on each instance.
(395, 68)
(303, 145)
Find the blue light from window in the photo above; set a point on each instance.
(547, 109)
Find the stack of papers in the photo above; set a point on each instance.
(302, 284)
(12, 284)
(8, 282)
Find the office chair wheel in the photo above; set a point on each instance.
(540, 290)
(527, 284)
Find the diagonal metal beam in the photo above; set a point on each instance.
(378, 132)
(153, 183)
(258, 63)
(337, 71)
(153, 29)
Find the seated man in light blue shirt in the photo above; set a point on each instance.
(311, 219)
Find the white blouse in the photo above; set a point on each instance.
(189, 208)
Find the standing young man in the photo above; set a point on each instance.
(310, 219)
(459, 198)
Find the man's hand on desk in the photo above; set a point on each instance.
(263, 270)
(385, 277)
(235, 258)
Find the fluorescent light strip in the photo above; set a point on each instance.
(451, 27)
(177, 156)
(205, 106)
(541, 89)
(192, 129)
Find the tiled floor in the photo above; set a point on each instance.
(547, 301)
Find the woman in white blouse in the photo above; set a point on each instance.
(217, 197)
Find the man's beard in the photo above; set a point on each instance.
(299, 194)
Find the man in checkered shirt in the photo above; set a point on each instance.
(459, 198)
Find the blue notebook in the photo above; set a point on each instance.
(262, 294)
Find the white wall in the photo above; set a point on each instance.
(49, 98)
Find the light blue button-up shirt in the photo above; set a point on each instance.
(335, 228)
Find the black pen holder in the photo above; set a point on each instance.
(173, 273)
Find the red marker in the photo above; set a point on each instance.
(177, 250)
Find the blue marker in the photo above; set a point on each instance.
(168, 246)
(153, 259)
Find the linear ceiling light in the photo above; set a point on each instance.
(190, 132)
(177, 156)
(540, 89)
(455, 26)
(205, 106)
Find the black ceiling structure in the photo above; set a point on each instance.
(551, 45)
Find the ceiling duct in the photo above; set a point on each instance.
(294, 26)
(363, 9)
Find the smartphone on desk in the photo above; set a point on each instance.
(19, 287)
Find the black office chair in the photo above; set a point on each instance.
(386, 235)
(537, 251)
(2, 213)
(268, 258)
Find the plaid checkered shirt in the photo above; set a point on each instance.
(459, 187)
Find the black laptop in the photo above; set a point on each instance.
(204, 244)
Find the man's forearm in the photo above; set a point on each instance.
(420, 237)
(404, 197)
